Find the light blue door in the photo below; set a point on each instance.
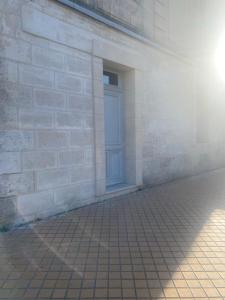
(114, 138)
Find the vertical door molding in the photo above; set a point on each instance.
(139, 92)
(99, 130)
(134, 100)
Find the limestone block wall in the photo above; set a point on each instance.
(183, 121)
(176, 24)
(52, 109)
(46, 122)
(169, 122)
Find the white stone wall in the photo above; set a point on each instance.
(169, 122)
(46, 120)
(51, 132)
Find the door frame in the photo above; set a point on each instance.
(132, 89)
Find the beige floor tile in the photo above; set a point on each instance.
(162, 243)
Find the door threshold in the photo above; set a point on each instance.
(118, 190)
(118, 187)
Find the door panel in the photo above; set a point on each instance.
(114, 174)
(113, 138)
(112, 120)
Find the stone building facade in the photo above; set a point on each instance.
(54, 152)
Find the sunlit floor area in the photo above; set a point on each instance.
(160, 243)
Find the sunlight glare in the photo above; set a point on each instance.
(220, 57)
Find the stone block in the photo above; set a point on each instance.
(15, 140)
(67, 120)
(121, 54)
(11, 7)
(97, 68)
(99, 139)
(98, 88)
(15, 49)
(51, 28)
(68, 82)
(47, 58)
(161, 23)
(99, 125)
(82, 173)
(81, 137)
(87, 121)
(52, 139)
(8, 93)
(33, 119)
(38, 160)
(8, 211)
(73, 196)
(68, 197)
(100, 154)
(10, 162)
(24, 96)
(36, 205)
(14, 94)
(80, 103)
(50, 99)
(68, 158)
(8, 70)
(87, 87)
(36, 76)
(8, 117)
(160, 10)
(100, 171)
(100, 187)
(78, 65)
(52, 178)
(14, 184)
(10, 24)
(99, 106)
(88, 154)
(87, 192)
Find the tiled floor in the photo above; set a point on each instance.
(162, 243)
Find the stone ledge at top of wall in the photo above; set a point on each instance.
(48, 27)
(45, 26)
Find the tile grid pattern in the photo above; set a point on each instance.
(161, 243)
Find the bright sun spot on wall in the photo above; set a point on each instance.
(220, 57)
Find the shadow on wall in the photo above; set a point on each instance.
(148, 244)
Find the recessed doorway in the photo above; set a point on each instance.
(114, 129)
